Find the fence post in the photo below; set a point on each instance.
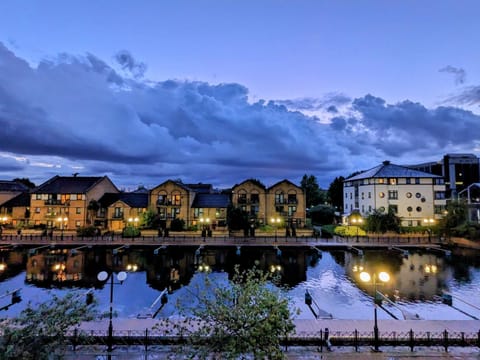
(445, 340)
(146, 341)
(321, 340)
(412, 340)
(428, 338)
(355, 340)
(74, 341)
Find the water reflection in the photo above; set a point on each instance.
(332, 277)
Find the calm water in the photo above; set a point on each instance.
(331, 277)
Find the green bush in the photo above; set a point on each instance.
(177, 224)
(87, 231)
(131, 231)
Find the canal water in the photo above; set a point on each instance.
(417, 283)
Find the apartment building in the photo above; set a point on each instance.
(63, 201)
(117, 210)
(251, 196)
(412, 195)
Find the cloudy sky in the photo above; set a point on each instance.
(219, 91)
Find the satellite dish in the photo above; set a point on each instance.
(102, 276)
(122, 275)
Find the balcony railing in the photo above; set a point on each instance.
(169, 203)
(117, 216)
(54, 202)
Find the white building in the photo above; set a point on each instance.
(415, 196)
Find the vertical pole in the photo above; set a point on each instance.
(110, 325)
(375, 326)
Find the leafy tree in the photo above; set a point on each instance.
(380, 222)
(322, 214)
(39, 332)
(25, 181)
(311, 189)
(237, 219)
(148, 219)
(177, 224)
(247, 317)
(335, 193)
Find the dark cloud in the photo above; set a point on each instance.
(468, 96)
(77, 114)
(326, 102)
(128, 62)
(459, 73)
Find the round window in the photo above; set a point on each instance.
(418, 195)
(419, 208)
(382, 195)
(409, 195)
(422, 199)
(381, 209)
(409, 209)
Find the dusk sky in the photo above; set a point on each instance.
(221, 91)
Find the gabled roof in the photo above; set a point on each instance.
(282, 181)
(68, 185)
(22, 199)
(183, 186)
(388, 170)
(12, 186)
(211, 201)
(134, 200)
(253, 181)
(200, 188)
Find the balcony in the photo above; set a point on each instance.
(54, 202)
(117, 216)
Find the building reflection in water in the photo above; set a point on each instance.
(420, 276)
(416, 276)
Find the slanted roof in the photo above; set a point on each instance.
(134, 200)
(253, 181)
(388, 170)
(283, 181)
(211, 201)
(22, 199)
(67, 185)
(12, 186)
(200, 188)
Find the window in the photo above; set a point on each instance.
(418, 195)
(242, 198)
(255, 198)
(350, 196)
(292, 198)
(419, 209)
(417, 181)
(409, 209)
(243, 207)
(439, 181)
(176, 199)
(37, 210)
(439, 195)
(369, 195)
(381, 209)
(197, 212)
(382, 195)
(291, 210)
(38, 197)
(279, 198)
(162, 199)
(254, 209)
(393, 194)
(78, 223)
(369, 208)
(409, 195)
(118, 213)
(439, 209)
(392, 181)
(363, 208)
(408, 181)
(78, 210)
(393, 209)
(381, 181)
(73, 197)
(363, 196)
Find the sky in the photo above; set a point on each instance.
(220, 91)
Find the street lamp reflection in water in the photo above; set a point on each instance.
(367, 278)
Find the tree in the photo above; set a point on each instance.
(25, 181)
(92, 208)
(237, 219)
(311, 189)
(380, 222)
(246, 317)
(335, 193)
(39, 332)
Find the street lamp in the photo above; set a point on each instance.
(429, 223)
(383, 277)
(275, 222)
(62, 221)
(103, 276)
(205, 226)
(357, 222)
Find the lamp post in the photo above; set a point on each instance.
(275, 222)
(62, 221)
(103, 276)
(133, 224)
(205, 226)
(429, 223)
(357, 222)
(366, 277)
